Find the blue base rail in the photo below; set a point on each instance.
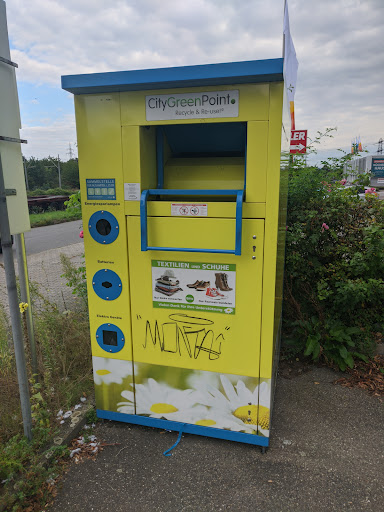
(187, 428)
(239, 194)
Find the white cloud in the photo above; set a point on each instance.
(50, 137)
(338, 44)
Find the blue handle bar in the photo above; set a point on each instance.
(173, 192)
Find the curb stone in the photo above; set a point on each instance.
(77, 422)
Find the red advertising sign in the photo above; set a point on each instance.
(298, 141)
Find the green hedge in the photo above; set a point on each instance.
(334, 276)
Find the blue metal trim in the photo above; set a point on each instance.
(160, 156)
(188, 428)
(181, 249)
(239, 220)
(103, 239)
(103, 277)
(245, 162)
(120, 338)
(229, 73)
(173, 192)
(143, 220)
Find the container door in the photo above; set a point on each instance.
(195, 317)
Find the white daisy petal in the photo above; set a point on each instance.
(228, 388)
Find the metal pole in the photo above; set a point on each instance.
(26, 296)
(17, 332)
(25, 174)
(58, 162)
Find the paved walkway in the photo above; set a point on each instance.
(326, 454)
(45, 270)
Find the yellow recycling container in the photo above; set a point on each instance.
(183, 177)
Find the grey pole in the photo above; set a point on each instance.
(22, 268)
(17, 332)
(58, 168)
(25, 174)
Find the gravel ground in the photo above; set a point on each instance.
(326, 454)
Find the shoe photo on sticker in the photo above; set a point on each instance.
(213, 293)
(221, 282)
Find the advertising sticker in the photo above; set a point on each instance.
(377, 167)
(195, 286)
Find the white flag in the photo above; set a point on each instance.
(290, 60)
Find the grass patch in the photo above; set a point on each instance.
(53, 217)
(28, 470)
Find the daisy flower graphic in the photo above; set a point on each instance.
(199, 379)
(239, 409)
(106, 371)
(158, 400)
(205, 417)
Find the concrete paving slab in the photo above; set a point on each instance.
(45, 270)
(326, 454)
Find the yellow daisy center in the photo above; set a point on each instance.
(163, 408)
(102, 372)
(205, 423)
(253, 415)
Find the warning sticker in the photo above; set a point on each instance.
(189, 210)
(194, 286)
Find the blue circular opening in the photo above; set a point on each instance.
(107, 284)
(103, 227)
(110, 338)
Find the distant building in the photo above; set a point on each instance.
(373, 164)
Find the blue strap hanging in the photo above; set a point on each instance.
(167, 452)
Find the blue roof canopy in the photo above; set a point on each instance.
(252, 71)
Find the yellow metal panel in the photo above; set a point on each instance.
(257, 161)
(191, 232)
(232, 340)
(253, 104)
(139, 155)
(131, 154)
(225, 210)
(271, 228)
(100, 156)
(204, 173)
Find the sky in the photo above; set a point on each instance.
(339, 46)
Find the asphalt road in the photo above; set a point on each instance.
(51, 237)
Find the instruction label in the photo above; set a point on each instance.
(194, 105)
(101, 189)
(132, 191)
(189, 210)
(188, 285)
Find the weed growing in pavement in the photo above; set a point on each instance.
(91, 416)
(76, 279)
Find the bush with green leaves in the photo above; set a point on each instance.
(334, 275)
(74, 202)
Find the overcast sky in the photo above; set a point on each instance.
(339, 46)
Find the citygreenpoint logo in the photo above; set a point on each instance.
(203, 100)
(189, 298)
